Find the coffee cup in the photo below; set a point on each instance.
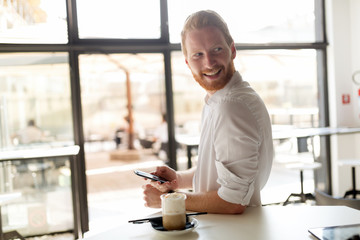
(173, 211)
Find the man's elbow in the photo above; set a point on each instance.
(235, 209)
(231, 208)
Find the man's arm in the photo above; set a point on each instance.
(199, 202)
(212, 203)
(185, 178)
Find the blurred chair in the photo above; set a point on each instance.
(40, 167)
(307, 154)
(302, 197)
(325, 199)
(353, 163)
(145, 143)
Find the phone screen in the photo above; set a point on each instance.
(149, 176)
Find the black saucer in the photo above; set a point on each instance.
(158, 225)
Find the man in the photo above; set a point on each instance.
(236, 149)
(161, 139)
(30, 134)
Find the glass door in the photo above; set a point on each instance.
(123, 103)
(35, 116)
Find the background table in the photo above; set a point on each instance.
(258, 223)
(190, 141)
(278, 133)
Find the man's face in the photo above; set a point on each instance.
(209, 58)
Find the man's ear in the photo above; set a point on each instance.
(233, 50)
(186, 61)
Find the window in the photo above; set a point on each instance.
(105, 94)
(35, 115)
(258, 21)
(62, 84)
(289, 92)
(35, 86)
(112, 18)
(42, 21)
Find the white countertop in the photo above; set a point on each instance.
(260, 223)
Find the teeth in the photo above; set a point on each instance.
(212, 73)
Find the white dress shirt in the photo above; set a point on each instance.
(236, 146)
(30, 134)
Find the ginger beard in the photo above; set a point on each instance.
(218, 83)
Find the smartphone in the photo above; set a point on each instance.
(150, 176)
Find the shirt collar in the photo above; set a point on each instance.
(236, 78)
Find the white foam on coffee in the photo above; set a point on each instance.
(174, 203)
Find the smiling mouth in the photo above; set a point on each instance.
(212, 73)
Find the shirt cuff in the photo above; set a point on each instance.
(234, 189)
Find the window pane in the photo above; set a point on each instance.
(188, 95)
(119, 19)
(105, 99)
(35, 86)
(257, 21)
(45, 203)
(290, 92)
(42, 21)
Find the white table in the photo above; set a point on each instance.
(311, 132)
(259, 223)
(190, 141)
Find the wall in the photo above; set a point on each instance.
(343, 33)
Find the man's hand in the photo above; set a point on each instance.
(176, 180)
(152, 196)
(155, 189)
(170, 175)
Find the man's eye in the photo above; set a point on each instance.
(217, 49)
(196, 55)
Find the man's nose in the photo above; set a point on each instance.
(209, 61)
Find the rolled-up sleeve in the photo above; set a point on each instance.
(237, 143)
